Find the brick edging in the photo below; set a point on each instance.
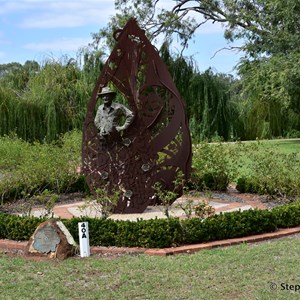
(223, 243)
(10, 245)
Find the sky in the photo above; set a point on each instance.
(41, 29)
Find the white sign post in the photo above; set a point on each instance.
(84, 241)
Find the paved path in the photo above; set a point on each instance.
(222, 202)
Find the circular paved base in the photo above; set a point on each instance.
(221, 202)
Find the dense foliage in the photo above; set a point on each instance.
(207, 96)
(42, 169)
(29, 169)
(264, 27)
(40, 102)
(271, 172)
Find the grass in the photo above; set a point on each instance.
(284, 146)
(281, 146)
(278, 149)
(239, 272)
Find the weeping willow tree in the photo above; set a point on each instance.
(269, 104)
(50, 101)
(7, 106)
(57, 96)
(207, 96)
(42, 102)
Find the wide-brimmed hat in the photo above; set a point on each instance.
(106, 90)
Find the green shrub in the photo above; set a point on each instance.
(270, 172)
(155, 233)
(102, 231)
(78, 184)
(18, 228)
(287, 215)
(213, 167)
(229, 225)
(28, 169)
(241, 184)
(160, 233)
(246, 184)
(292, 134)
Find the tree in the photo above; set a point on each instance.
(5, 69)
(31, 66)
(266, 26)
(42, 102)
(268, 30)
(16, 75)
(270, 95)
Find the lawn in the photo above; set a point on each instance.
(266, 167)
(268, 270)
(284, 146)
(248, 154)
(239, 272)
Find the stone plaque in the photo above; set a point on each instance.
(46, 240)
(52, 239)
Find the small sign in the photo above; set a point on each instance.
(84, 240)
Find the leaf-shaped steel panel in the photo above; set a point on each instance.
(157, 144)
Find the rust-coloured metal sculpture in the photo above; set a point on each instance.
(157, 143)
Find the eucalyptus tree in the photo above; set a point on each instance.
(268, 32)
(265, 26)
(5, 69)
(15, 75)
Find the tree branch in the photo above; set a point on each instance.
(240, 48)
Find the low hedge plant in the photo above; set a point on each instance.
(287, 215)
(18, 228)
(229, 225)
(154, 233)
(161, 233)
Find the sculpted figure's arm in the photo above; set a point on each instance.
(129, 116)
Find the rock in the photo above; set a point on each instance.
(52, 239)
